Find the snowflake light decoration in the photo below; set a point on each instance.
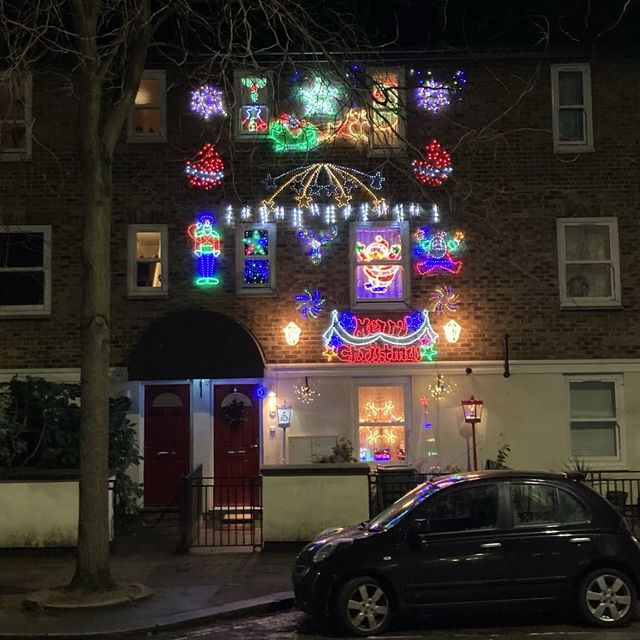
(441, 388)
(434, 96)
(207, 102)
(310, 303)
(435, 170)
(443, 300)
(320, 97)
(305, 393)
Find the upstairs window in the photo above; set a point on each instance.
(25, 271)
(588, 260)
(147, 265)
(380, 265)
(256, 258)
(572, 117)
(387, 127)
(15, 120)
(254, 104)
(148, 117)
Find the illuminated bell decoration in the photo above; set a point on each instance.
(207, 170)
(452, 331)
(206, 249)
(310, 303)
(283, 414)
(436, 168)
(292, 333)
(441, 388)
(208, 102)
(435, 250)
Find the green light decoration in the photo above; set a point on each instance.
(254, 85)
(320, 97)
(290, 133)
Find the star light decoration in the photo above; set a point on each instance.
(305, 393)
(443, 300)
(435, 170)
(434, 96)
(207, 102)
(441, 388)
(207, 170)
(309, 303)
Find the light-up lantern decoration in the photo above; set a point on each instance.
(472, 409)
(292, 333)
(283, 414)
(452, 331)
(207, 170)
(206, 249)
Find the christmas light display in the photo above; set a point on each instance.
(253, 118)
(435, 252)
(207, 170)
(354, 128)
(292, 333)
(337, 183)
(370, 340)
(434, 96)
(452, 331)
(441, 388)
(315, 241)
(436, 168)
(257, 272)
(256, 242)
(305, 393)
(319, 97)
(310, 303)
(254, 85)
(290, 133)
(379, 276)
(208, 102)
(261, 392)
(380, 412)
(206, 249)
(443, 300)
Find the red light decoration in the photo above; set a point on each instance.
(207, 170)
(435, 170)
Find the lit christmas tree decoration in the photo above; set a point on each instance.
(320, 97)
(290, 133)
(443, 300)
(206, 249)
(309, 303)
(436, 169)
(257, 271)
(208, 102)
(434, 96)
(207, 170)
(314, 242)
(435, 252)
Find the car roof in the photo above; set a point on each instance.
(506, 474)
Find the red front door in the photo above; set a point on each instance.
(235, 432)
(166, 443)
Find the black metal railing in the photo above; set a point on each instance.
(220, 512)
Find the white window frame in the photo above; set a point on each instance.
(27, 310)
(568, 146)
(133, 291)
(376, 150)
(618, 461)
(403, 382)
(16, 155)
(270, 103)
(615, 300)
(255, 290)
(381, 305)
(161, 136)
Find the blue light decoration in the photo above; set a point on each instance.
(435, 250)
(310, 303)
(261, 391)
(361, 339)
(257, 272)
(434, 96)
(206, 249)
(315, 241)
(207, 102)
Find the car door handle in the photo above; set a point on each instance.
(166, 453)
(579, 540)
(241, 451)
(491, 545)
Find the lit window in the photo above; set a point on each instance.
(588, 260)
(147, 267)
(148, 117)
(595, 418)
(254, 105)
(386, 113)
(380, 265)
(256, 258)
(25, 271)
(572, 118)
(381, 423)
(15, 120)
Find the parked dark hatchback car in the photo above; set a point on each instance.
(496, 537)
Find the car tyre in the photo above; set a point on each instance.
(607, 598)
(363, 606)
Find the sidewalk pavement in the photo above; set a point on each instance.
(187, 589)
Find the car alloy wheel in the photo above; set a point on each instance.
(607, 598)
(363, 606)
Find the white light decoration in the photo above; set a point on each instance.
(305, 393)
(452, 331)
(441, 388)
(292, 333)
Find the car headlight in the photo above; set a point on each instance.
(330, 548)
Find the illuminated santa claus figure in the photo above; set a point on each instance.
(379, 275)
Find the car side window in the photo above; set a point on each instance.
(535, 504)
(571, 509)
(468, 508)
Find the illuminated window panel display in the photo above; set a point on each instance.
(381, 424)
(255, 104)
(379, 270)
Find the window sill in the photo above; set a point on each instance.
(147, 295)
(380, 307)
(19, 156)
(576, 305)
(21, 314)
(147, 140)
(574, 148)
(255, 292)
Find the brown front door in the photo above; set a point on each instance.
(235, 432)
(166, 443)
